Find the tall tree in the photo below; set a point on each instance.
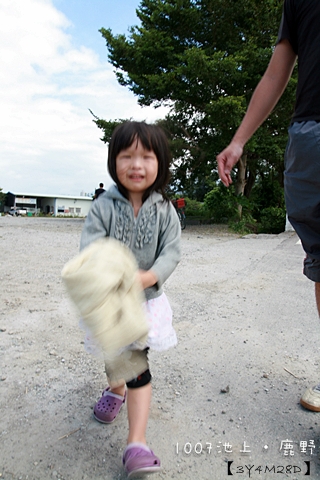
(204, 58)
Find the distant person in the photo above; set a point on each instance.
(98, 191)
(299, 36)
(136, 212)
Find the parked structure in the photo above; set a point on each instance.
(48, 204)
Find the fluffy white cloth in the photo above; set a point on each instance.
(101, 281)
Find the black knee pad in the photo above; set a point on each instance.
(140, 380)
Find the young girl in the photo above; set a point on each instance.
(137, 213)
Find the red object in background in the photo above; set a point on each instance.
(181, 203)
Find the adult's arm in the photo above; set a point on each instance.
(264, 99)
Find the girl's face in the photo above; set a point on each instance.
(136, 168)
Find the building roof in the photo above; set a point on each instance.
(42, 195)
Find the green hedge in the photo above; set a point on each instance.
(272, 220)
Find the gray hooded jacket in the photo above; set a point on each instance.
(153, 237)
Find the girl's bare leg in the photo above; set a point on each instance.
(119, 390)
(138, 404)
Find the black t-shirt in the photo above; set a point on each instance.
(98, 192)
(300, 25)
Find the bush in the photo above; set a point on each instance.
(247, 224)
(193, 208)
(272, 220)
(220, 204)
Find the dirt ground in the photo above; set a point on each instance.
(225, 400)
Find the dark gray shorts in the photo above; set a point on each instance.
(302, 190)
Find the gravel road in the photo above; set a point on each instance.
(225, 400)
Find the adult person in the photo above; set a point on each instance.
(299, 37)
(98, 191)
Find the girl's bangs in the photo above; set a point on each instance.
(134, 132)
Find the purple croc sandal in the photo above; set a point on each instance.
(107, 408)
(139, 460)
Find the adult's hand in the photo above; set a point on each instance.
(227, 160)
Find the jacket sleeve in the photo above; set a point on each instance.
(94, 227)
(168, 250)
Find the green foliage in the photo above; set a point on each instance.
(192, 51)
(272, 220)
(2, 199)
(107, 126)
(193, 208)
(220, 205)
(192, 172)
(247, 224)
(267, 193)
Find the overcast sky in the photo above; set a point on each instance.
(53, 69)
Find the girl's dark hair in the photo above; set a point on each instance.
(153, 138)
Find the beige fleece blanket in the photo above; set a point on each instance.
(101, 281)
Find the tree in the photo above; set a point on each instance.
(107, 126)
(2, 199)
(204, 58)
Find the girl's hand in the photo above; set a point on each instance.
(146, 278)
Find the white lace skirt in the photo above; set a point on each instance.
(161, 336)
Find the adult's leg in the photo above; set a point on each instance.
(317, 290)
(302, 194)
(311, 397)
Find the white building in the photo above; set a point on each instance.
(63, 205)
